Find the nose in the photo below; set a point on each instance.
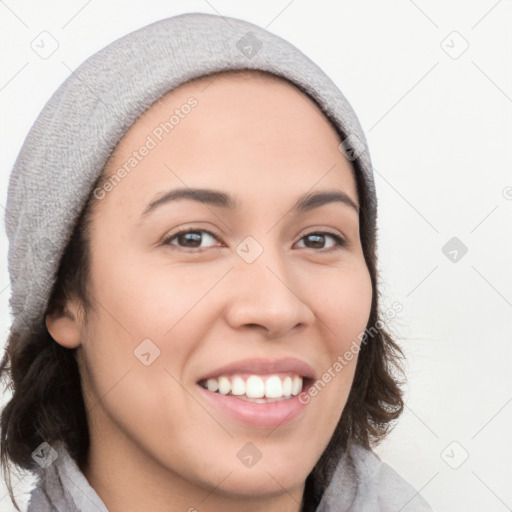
(266, 295)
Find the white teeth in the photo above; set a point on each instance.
(287, 386)
(297, 385)
(212, 385)
(273, 387)
(238, 386)
(255, 386)
(224, 385)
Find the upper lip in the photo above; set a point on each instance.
(262, 366)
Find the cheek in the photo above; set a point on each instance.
(345, 313)
(147, 299)
(141, 309)
(345, 308)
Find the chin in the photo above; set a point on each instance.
(263, 482)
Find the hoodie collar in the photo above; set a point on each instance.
(361, 482)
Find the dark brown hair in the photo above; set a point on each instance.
(47, 403)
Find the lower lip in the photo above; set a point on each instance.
(262, 415)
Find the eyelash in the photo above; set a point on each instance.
(340, 242)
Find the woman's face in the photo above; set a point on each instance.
(259, 296)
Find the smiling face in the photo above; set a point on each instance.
(213, 307)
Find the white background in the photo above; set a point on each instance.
(439, 130)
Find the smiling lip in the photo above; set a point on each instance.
(263, 367)
(267, 415)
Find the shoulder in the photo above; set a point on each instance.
(362, 482)
(62, 487)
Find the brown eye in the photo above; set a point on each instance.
(318, 240)
(191, 239)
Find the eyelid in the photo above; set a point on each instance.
(325, 231)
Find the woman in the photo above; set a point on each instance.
(194, 290)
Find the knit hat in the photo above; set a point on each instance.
(79, 127)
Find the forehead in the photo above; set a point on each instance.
(233, 104)
(246, 130)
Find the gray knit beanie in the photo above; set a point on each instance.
(79, 127)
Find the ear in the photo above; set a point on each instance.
(64, 324)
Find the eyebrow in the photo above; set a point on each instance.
(217, 198)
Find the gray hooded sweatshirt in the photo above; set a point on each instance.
(360, 483)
